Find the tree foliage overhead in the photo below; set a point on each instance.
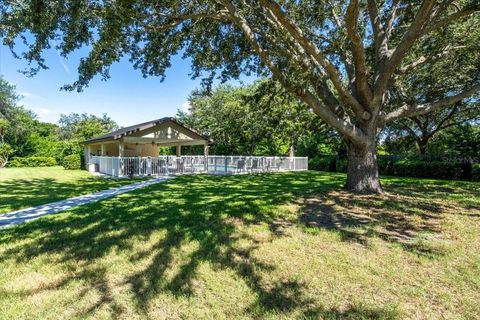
(345, 59)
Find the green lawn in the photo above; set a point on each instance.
(26, 187)
(269, 246)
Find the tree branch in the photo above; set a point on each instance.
(416, 110)
(175, 21)
(391, 18)
(408, 39)
(316, 54)
(425, 59)
(379, 32)
(451, 18)
(342, 125)
(358, 51)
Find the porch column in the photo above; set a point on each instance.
(121, 148)
(87, 156)
(179, 150)
(104, 150)
(206, 149)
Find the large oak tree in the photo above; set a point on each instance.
(341, 58)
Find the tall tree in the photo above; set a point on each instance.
(339, 57)
(21, 122)
(422, 129)
(257, 119)
(84, 126)
(451, 60)
(462, 142)
(5, 149)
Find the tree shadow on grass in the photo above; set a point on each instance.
(24, 193)
(394, 218)
(204, 210)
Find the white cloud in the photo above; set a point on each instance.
(63, 63)
(41, 111)
(61, 59)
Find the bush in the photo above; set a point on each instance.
(19, 162)
(72, 162)
(342, 165)
(386, 167)
(427, 169)
(476, 172)
(322, 163)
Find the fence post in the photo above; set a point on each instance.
(149, 166)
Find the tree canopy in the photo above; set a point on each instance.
(84, 126)
(344, 59)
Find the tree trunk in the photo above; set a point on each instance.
(422, 145)
(362, 170)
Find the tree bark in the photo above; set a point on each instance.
(362, 170)
(422, 145)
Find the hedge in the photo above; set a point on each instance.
(72, 162)
(476, 172)
(19, 162)
(386, 166)
(322, 163)
(427, 169)
(342, 165)
(406, 167)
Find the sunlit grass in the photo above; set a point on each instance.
(288, 245)
(26, 187)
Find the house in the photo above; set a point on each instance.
(144, 139)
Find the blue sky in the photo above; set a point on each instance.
(127, 97)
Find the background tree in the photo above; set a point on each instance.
(84, 126)
(453, 57)
(21, 121)
(341, 58)
(258, 119)
(462, 141)
(5, 149)
(422, 129)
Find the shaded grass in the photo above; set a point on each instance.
(26, 187)
(289, 245)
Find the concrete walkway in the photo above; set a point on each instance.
(24, 215)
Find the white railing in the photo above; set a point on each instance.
(163, 165)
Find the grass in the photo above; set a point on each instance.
(269, 246)
(26, 187)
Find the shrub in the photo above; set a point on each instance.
(32, 162)
(342, 165)
(386, 167)
(427, 169)
(476, 172)
(322, 163)
(72, 162)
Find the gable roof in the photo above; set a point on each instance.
(117, 134)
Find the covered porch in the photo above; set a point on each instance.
(135, 151)
(145, 140)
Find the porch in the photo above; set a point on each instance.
(166, 165)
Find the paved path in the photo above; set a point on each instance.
(20, 216)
